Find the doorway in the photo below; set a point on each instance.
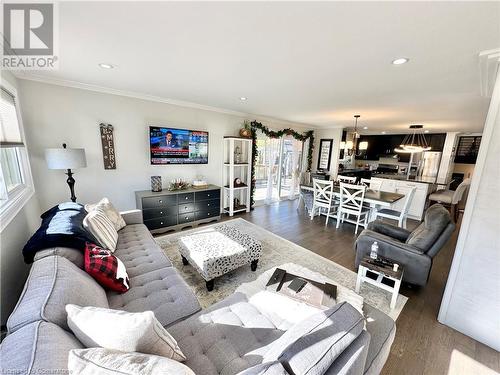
(277, 168)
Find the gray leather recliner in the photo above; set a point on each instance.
(414, 250)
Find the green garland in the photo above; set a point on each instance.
(254, 126)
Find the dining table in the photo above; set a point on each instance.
(377, 199)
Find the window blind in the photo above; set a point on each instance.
(467, 149)
(10, 134)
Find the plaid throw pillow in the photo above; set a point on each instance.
(105, 268)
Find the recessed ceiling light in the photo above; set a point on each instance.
(401, 60)
(243, 98)
(383, 132)
(106, 66)
(365, 127)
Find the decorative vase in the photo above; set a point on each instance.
(156, 184)
(244, 132)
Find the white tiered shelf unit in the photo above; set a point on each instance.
(234, 170)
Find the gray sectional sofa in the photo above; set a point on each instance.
(233, 336)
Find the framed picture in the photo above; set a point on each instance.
(325, 154)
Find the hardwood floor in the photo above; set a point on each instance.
(422, 345)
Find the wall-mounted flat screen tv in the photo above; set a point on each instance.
(177, 146)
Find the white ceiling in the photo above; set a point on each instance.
(315, 63)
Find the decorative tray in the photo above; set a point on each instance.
(312, 292)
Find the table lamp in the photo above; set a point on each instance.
(66, 158)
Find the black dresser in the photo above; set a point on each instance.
(169, 210)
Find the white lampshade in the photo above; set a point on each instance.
(342, 145)
(65, 158)
(363, 145)
(349, 145)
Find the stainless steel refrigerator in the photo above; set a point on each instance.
(429, 163)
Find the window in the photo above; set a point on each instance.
(467, 149)
(16, 185)
(11, 171)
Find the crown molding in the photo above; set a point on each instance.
(152, 98)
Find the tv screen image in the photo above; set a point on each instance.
(178, 146)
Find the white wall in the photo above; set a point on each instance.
(466, 169)
(336, 135)
(448, 157)
(56, 114)
(13, 270)
(471, 302)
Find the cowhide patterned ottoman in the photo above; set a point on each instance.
(216, 251)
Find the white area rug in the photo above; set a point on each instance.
(275, 251)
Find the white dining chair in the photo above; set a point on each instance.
(351, 203)
(347, 179)
(400, 216)
(323, 199)
(305, 198)
(366, 182)
(375, 184)
(372, 184)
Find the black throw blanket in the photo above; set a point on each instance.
(62, 226)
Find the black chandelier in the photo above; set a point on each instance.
(354, 147)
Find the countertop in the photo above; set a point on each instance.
(400, 177)
(149, 193)
(352, 170)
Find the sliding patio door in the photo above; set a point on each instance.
(266, 169)
(277, 169)
(291, 161)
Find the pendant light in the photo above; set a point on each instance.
(352, 146)
(414, 142)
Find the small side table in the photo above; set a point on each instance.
(375, 274)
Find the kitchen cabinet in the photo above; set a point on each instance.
(167, 210)
(378, 145)
(368, 154)
(417, 204)
(384, 145)
(385, 184)
(436, 141)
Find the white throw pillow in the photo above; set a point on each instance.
(100, 361)
(98, 223)
(121, 330)
(110, 211)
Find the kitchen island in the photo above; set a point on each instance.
(401, 184)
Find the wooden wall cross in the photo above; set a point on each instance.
(108, 146)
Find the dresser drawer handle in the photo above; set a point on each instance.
(161, 222)
(187, 217)
(161, 212)
(208, 195)
(186, 198)
(185, 207)
(160, 201)
(208, 204)
(208, 214)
